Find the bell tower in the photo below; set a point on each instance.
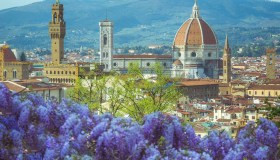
(270, 63)
(106, 44)
(57, 33)
(227, 62)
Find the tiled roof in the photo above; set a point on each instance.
(178, 62)
(9, 56)
(14, 87)
(197, 83)
(264, 87)
(195, 32)
(223, 120)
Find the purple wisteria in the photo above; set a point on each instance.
(31, 128)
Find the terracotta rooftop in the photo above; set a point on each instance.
(195, 32)
(223, 120)
(178, 62)
(14, 87)
(9, 56)
(197, 83)
(264, 87)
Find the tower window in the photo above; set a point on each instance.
(5, 74)
(107, 55)
(193, 54)
(104, 55)
(54, 17)
(209, 54)
(105, 39)
(14, 74)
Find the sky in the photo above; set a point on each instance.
(15, 3)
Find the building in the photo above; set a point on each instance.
(106, 44)
(227, 62)
(199, 89)
(48, 91)
(58, 71)
(195, 51)
(196, 48)
(10, 67)
(262, 91)
(270, 64)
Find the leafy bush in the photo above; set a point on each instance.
(38, 129)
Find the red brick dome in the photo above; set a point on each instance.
(195, 31)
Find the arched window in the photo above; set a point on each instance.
(105, 39)
(209, 54)
(107, 55)
(5, 74)
(60, 17)
(14, 74)
(54, 17)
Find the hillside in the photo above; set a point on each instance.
(136, 22)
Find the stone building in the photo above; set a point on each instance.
(195, 51)
(199, 89)
(58, 71)
(106, 44)
(10, 67)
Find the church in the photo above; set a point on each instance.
(195, 51)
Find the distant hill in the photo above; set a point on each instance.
(137, 22)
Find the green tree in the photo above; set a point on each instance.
(100, 92)
(144, 96)
(22, 57)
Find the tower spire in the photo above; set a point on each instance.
(195, 11)
(226, 43)
(227, 62)
(57, 1)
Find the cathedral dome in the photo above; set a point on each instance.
(195, 31)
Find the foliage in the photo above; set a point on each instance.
(132, 94)
(22, 57)
(148, 95)
(38, 129)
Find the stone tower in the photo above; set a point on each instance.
(57, 33)
(227, 62)
(270, 63)
(106, 44)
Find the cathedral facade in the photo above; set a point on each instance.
(195, 50)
